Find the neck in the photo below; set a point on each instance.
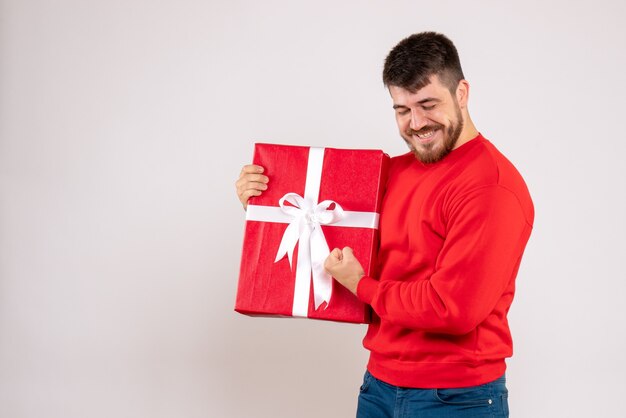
(468, 133)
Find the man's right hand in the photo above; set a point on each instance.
(251, 182)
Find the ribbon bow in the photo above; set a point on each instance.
(305, 227)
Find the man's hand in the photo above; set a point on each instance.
(250, 183)
(345, 268)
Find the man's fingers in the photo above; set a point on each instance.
(336, 254)
(253, 185)
(333, 259)
(251, 169)
(251, 178)
(249, 193)
(347, 252)
(250, 183)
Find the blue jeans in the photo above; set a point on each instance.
(382, 400)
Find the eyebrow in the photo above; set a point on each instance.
(426, 100)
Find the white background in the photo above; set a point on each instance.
(124, 124)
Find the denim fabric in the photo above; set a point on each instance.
(378, 399)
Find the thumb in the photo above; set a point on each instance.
(348, 252)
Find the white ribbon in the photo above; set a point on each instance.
(305, 217)
(313, 250)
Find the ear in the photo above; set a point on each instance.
(462, 93)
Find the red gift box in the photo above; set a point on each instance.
(317, 199)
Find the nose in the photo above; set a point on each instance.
(418, 121)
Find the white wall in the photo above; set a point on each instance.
(124, 124)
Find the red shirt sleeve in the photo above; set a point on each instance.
(486, 232)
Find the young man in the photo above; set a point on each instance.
(454, 223)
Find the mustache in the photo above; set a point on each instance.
(423, 130)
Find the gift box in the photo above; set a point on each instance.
(317, 199)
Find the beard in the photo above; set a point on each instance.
(435, 151)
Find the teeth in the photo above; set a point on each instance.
(426, 135)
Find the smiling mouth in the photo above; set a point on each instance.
(426, 135)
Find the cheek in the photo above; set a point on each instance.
(438, 117)
(445, 118)
(402, 123)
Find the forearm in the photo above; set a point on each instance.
(420, 305)
(474, 268)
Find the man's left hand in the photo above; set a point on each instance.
(345, 268)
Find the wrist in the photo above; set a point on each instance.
(355, 282)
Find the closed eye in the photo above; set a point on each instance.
(429, 103)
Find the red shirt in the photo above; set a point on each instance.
(452, 235)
